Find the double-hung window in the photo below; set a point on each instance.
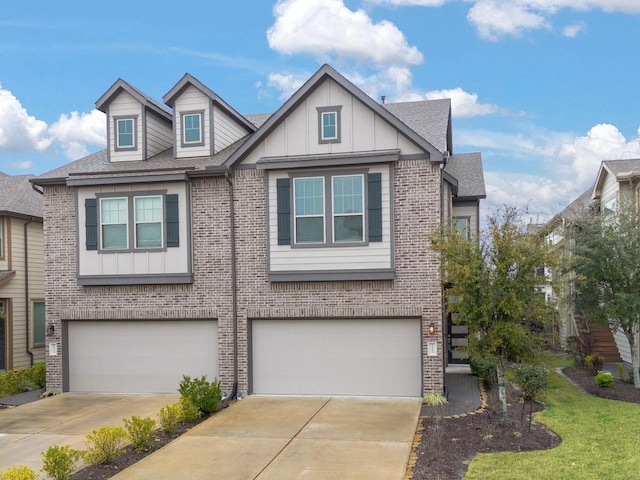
(461, 224)
(125, 133)
(329, 124)
(192, 128)
(329, 209)
(148, 220)
(114, 232)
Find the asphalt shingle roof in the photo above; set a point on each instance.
(428, 118)
(623, 166)
(17, 196)
(467, 169)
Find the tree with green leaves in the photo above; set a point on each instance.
(606, 264)
(493, 287)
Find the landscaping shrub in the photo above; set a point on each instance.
(484, 367)
(604, 379)
(594, 363)
(169, 417)
(38, 374)
(140, 432)
(532, 381)
(201, 393)
(18, 473)
(16, 381)
(625, 374)
(59, 462)
(188, 411)
(105, 444)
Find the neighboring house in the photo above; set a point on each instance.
(22, 308)
(283, 253)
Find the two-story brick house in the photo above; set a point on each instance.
(22, 308)
(283, 253)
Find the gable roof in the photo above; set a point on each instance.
(119, 86)
(188, 80)
(466, 168)
(431, 119)
(324, 72)
(18, 198)
(620, 169)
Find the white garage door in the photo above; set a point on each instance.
(336, 357)
(140, 356)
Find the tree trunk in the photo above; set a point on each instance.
(631, 337)
(502, 391)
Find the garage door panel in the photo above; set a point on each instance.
(140, 356)
(337, 357)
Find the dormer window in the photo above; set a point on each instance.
(329, 124)
(192, 129)
(125, 133)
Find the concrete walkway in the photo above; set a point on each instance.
(281, 438)
(28, 430)
(463, 393)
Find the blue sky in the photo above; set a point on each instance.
(545, 89)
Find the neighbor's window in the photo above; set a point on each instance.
(309, 210)
(38, 323)
(148, 220)
(125, 133)
(609, 208)
(329, 124)
(114, 223)
(192, 128)
(348, 208)
(461, 224)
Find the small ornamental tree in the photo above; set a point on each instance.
(496, 290)
(606, 264)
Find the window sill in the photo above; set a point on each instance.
(160, 279)
(332, 275)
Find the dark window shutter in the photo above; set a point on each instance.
(173, 224)
(374, 199)
(91, 223)
(283, 187)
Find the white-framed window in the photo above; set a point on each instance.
(609, 208)
(462, 225)
(148, 221)
(329, 128)
(38, 322)
(125, 133)
(192, 128)
(348, 208)
(308, 194)
(114, 223)
(329, 209)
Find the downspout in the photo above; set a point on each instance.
(234, 289)
(443, 318)
(26, 291)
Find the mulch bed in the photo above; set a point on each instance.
(447, 445)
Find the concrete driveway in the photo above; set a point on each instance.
(276, 438)
(28, 430)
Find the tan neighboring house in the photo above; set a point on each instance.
(22, 295)
(283, 253)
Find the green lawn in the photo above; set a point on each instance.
(599, 441)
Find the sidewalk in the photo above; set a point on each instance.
(463, 392)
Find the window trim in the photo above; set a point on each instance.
(101, 224)
(33, 324)
(116, 133)
(135, 222)
(322, 111)
(131, 223)
(329, 235)
(183, 116)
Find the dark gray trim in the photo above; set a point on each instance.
(116, 119)
(130, 196)
(337, 109)
(328, 160)
(447, 177)
(200, 113)
(64, 339)
(144, 279)
(149, 178)
(466, 203)
(413, 156)
(332, 275)
(392, 221)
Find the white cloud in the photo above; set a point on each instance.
(75, 131)
(286, 83)
(572, 31)
(308, 27)
(23, 165)
(464, 104)
(494, 18)
(19, 131)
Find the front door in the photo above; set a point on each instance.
(458, 338)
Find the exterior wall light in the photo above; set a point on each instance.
(51, 328)
(432, 328)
